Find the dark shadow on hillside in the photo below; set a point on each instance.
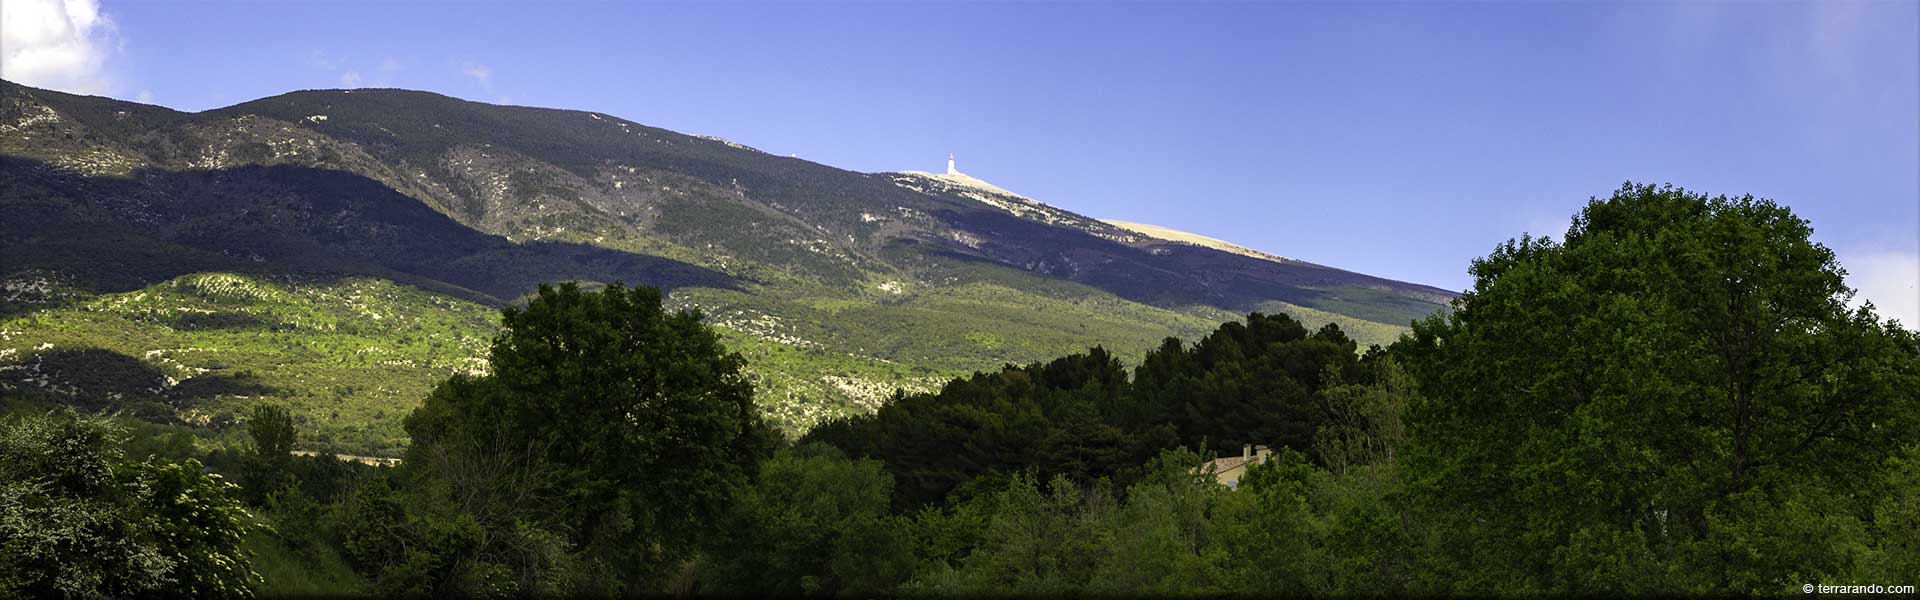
(97, 379)
(1174, 275)
(116, 234)
(192, 390)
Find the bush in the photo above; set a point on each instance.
(79, 519)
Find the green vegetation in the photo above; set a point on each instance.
(1080, 416)
(205, 349)
(1674, 400)
(228, 341)
(814, 523)
(603, 422)
(288, 572)
(80, 518)
(350, 358)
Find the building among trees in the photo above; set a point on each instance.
(1229, 469)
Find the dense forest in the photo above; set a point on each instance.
(1674, 398)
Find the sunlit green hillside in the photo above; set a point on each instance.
(352, 356)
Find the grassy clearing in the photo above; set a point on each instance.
(287, 572)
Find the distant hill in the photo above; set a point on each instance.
(839, 285)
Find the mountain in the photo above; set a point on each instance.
(838, 286)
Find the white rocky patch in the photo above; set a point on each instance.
(762, 326)
(31, 115)
(995, 196)
(965, 239)
(95, 161)
(26, 289)
(866, 394)
(730, 143)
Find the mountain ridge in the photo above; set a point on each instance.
(839, 283)
(375, 137)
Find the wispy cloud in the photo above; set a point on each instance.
(388, 68)
(318, 59)
(348, 74)
(480, 73)
(57, 44)
(1891, 280)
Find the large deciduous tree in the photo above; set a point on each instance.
(605, 418)
(1675, 398)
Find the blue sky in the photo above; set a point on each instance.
(1397, 139)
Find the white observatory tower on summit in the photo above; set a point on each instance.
(950, 169)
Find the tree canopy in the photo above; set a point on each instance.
(1261, 382)
(80, 519)
(607, 421)
(1675, 398)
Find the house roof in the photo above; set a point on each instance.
(1222, 465)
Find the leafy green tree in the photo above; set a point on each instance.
(620, 426)
(78, 519)
(270, 467)
(1366, 423)
(1071, 538)
(1896, 515)
(1674, 399)
(272, 431)
(1253, 383)
(1037, 540)
(813, 523)
(1157, 542)
(200, 521)
(1055, 418)
(1271, 538)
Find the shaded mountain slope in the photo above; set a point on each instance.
(531, 173)
(115, 234)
